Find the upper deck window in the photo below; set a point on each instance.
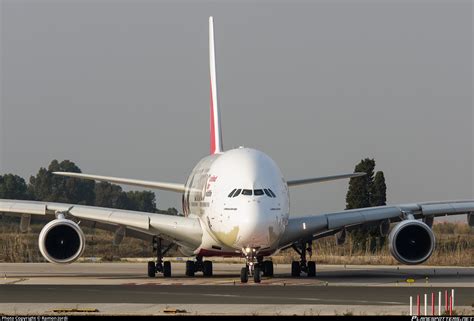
(247, 192)
(257, 192)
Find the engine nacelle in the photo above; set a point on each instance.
(411, 242)
(61, 241)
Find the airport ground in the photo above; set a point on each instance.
(124, 288)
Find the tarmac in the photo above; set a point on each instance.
(124, 288)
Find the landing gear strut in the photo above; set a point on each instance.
(159, 266)
(199, 266)
(249, 269)
(255, 266)
(309, 267)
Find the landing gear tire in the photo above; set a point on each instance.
(244, 275)
(190, 268)
(167, 269)
(257, 275)
(207, 268)
(151, 269)
(267, 268)
(295, 269)
(311, 269)
(159, 266)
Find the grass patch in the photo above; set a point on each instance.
(454, 246)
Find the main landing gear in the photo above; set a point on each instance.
(255, 266)
(308, 267)
(199, 266)
(159, 266)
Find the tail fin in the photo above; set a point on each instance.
(216, 133)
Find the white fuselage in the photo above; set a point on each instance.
(253, 216)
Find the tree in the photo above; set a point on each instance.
(366, 191)
(13, 187)
(46, 186)
(379, 190)
(110, 195)
(143, 201)
(172, 211)
(379, 198)
(359, 193)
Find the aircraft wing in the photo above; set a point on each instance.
(304, 181)
(315, 226)
(173, 187)
(181, 230)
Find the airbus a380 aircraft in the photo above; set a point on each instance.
(235, 203)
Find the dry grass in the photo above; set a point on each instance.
(19, 247)
(455, 246)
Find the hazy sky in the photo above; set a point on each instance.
(122, 89)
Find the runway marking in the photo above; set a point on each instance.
(15, 281)
(280, 297)
(226, 295)
(357, 301)
(269, 282)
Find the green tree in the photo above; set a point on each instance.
(379, 190)
(366, 191)
(378, 198)
(144, 201)
(46, 186)
(359, 193)
(13, 187)
(53, 188)
(172, 211)
(110, 195)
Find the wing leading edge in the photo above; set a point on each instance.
(309, 227)
(182, 230)
(305, 181)
(173, 187)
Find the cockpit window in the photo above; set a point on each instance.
(271, 192)
(247, 192)
(232, 193)
(267, 192)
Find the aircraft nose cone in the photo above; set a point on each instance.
(259, 226)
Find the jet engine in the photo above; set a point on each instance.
(411, 242)
(61, 241)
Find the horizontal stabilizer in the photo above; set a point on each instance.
(304, 181)
(173, 187)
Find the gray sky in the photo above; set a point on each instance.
(122, 88)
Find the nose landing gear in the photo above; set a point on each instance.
(255, 266)
(250, 268)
